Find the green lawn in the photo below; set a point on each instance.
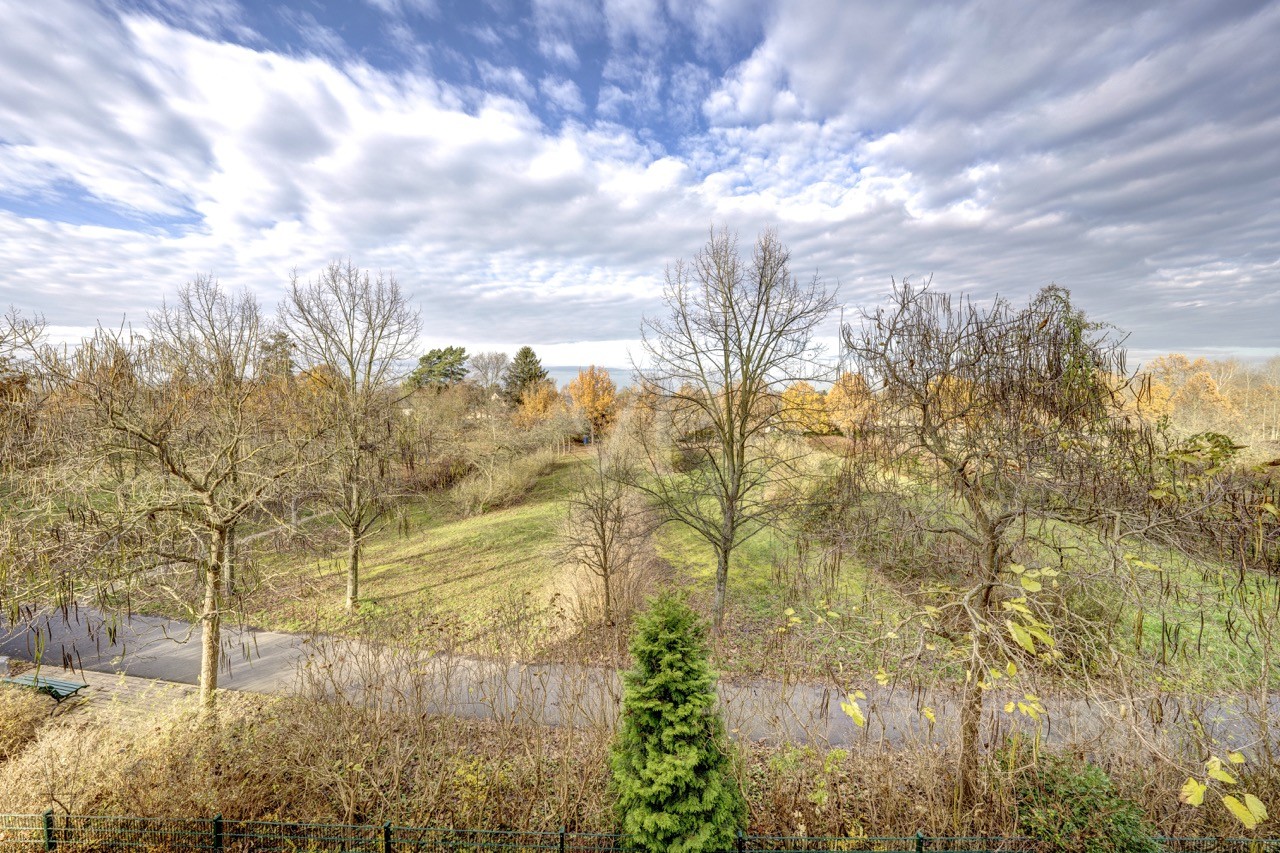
(434, 562)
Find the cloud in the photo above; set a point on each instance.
(563, 93)
(1132, 155)
(402, 9)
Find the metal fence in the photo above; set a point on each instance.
(75, 833)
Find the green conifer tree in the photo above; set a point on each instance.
(672, 769)
(524, 374)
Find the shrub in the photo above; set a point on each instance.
(672, 769)
(1076, 809)
(502, 484)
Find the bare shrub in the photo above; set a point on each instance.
(502, 481)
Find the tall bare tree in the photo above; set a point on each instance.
(737, 331)
(352, 333)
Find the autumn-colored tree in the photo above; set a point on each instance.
(804, 410)
(538, 404)
(851, 407)
(593, 394)
(1199, 405)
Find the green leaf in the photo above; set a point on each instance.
(1192, 792)
(1241, 811)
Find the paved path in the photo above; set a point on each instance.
(269, 662)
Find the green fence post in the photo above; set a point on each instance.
(562, 838)
(217, 831)
(919, 841)
(48, 830)
(742, 841)
(386, 837)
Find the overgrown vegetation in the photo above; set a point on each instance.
(986, 511)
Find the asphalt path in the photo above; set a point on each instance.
(558, 694)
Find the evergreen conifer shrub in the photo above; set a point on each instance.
(672, 768)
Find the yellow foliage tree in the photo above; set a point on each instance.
(595, 396)
(804, 410)
(851, 407)
(539, 404)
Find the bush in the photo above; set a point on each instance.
(672, 770)
(503, 484)
(1076, 809)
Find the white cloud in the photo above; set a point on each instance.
(562, 92)
(1131, 157)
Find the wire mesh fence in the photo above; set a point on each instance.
(77, 833)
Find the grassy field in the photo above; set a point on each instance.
(786, 616)
(429, 560)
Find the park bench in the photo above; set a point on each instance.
(58, 688)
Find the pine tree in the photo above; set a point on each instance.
(671, 763)
(524, 374)
(440, 368)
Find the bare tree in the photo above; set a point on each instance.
(1001, 444)
(607, 527)
(181, 441)
(736, 333)
(352, 334)
(486, 370)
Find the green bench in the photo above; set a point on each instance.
(58, 688)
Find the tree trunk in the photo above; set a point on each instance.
(211, 624)
(722, 583)
(353, 568)
(970, 738)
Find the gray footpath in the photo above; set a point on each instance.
(559, 694)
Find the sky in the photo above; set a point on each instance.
(527, 169)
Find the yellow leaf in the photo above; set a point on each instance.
(1271, 508)
(1221, 775)
(1030, 585)
(1235, 757)
(789, 612)
(1255, 807)
(1020, 636)
(928, 714)
(854, 711)
(1017, 568)
(882, 678)
(1192, 792)
(1011, 669)
(1008, 707)
(1241, 811)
